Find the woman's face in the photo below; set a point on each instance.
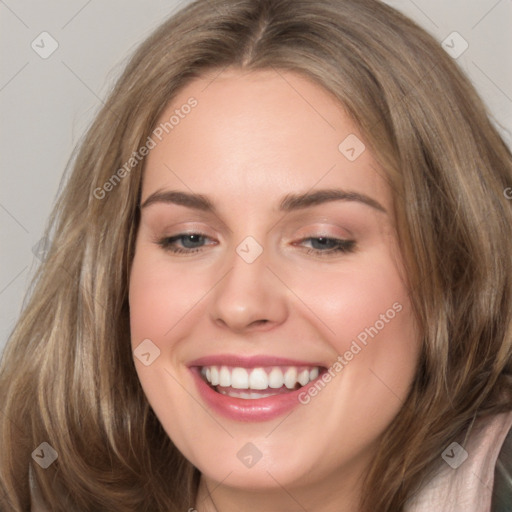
(274, 283)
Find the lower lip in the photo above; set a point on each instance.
(241, 409)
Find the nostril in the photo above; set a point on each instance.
(258, 322)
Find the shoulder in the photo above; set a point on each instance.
(502, 488)
(466, 481)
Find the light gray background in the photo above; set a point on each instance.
(46, 104)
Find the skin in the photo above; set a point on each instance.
(252, 138)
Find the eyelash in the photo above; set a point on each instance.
(341, 246)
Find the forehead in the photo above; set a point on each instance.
(259, 134)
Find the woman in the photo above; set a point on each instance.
(280, 279)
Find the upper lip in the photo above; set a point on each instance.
(254, 361)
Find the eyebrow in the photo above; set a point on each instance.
(289, 202)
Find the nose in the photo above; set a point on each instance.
(249, 296)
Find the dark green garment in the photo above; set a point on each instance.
(502, 490)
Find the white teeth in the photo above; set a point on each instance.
(241, 394)
(290, 378)
(275, 379)
(214, 380)
(239, 378)
(224, 377)
(303, 377)
(259, 378)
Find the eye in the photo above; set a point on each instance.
(192, 243)
(329, 246)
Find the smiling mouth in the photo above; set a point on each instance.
(258, 382)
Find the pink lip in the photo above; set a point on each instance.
(249, 361)
(247, 410)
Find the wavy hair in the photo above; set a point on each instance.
(67, 375)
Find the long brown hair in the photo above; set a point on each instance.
(67, 375)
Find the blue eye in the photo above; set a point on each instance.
(334, 245)
(189, 240)
(193, 243)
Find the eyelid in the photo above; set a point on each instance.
(179, 228)
(322, 231)
(304, 232)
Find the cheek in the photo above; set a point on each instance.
(160, 299)
(354, 299)
(365, 314)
